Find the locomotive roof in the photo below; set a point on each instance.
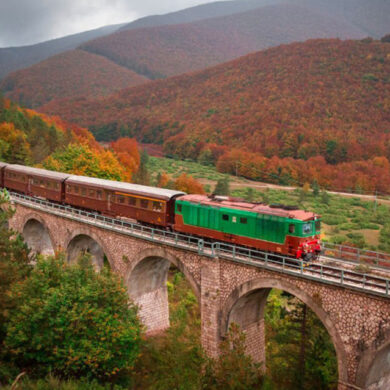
(160, 193)
(247, 206)
(38, 172)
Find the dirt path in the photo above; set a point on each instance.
(242, 183)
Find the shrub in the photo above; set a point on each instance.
(72, 322)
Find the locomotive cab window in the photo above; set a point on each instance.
(291, 228)
(225, 217)
(306, 228)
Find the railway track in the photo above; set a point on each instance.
(341, 274)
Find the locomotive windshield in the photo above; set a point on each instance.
(307, 228)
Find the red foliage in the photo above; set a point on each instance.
(127, 152)
(290, 104)
(68, 75)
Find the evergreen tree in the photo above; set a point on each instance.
(142, 176)
(222, 187)
(315, 187)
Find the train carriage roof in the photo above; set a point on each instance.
(37, 172)
(3, 164)
(136, 189)
(227, 202)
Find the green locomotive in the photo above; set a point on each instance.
(280, 229)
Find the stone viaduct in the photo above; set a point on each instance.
(227, 291)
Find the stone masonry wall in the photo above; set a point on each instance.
(355, 321)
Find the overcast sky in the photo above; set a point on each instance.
(24, 22)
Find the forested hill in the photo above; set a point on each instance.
(289, 101)
(14, 58)
(71, 74)
(165, 51)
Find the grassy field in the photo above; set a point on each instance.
(346, 220)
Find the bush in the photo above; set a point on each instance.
(72, 322)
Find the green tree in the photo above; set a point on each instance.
(72, 322)
(315, 187)
(325, 197)
(15, 260)
(300, 353)
(142, 176)
(234, 369)
(222, 187)
(249, 194)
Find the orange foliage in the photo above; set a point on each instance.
(188, 184)
(127, 152)
(163, 180)
(312, 110)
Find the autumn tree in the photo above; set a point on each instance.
(127, 151)
(82, 160)
(188, 184)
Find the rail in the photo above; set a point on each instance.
(315, 271)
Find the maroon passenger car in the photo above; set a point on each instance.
(2, 169)
(145, 204)
(36, 182)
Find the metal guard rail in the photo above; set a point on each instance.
(357, 255)
(332, 275)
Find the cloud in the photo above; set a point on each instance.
(24, 22)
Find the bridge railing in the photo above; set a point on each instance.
(314, 271)
(356, 255)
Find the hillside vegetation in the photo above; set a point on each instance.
(170, 50)
(299, 112)
(14, 58)
(70, 74)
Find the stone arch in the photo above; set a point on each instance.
(374, 367)
(256, 291)
(85, 240)
(37, 235)
(146, 283)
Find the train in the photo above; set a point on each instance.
(279, 229)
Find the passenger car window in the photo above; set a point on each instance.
(179, 208)
(243, 220)
(291, 228)
(132, 201)
(144, 203)
(225, 217)
(157, 206)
